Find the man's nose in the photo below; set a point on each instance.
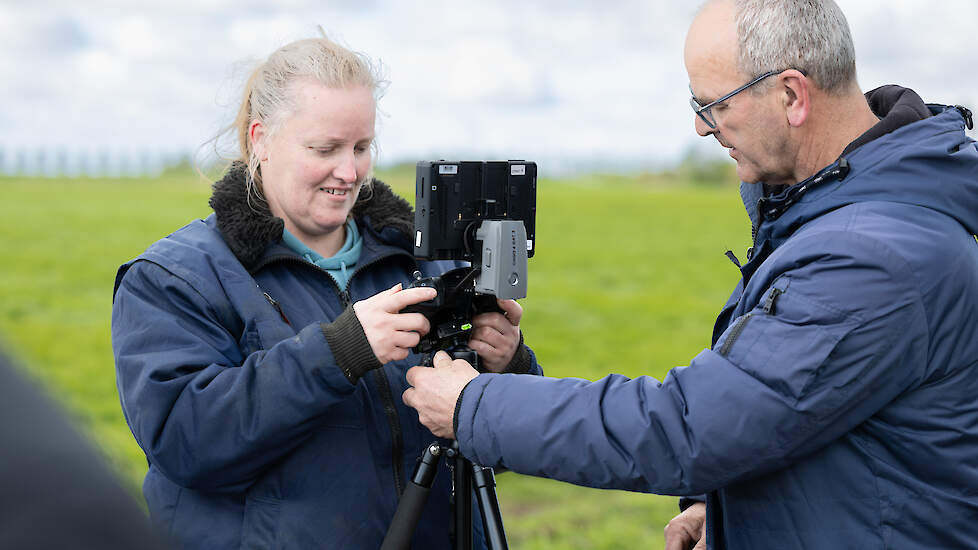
(702, 128)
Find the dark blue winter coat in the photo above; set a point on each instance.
(255, 434)
(838, 406)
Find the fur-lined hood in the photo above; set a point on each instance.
(249, 227)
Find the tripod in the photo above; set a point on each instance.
(466, 477)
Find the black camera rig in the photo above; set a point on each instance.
(482, 212)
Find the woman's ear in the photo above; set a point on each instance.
(797, 101)
(257, 135)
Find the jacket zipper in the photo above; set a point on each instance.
(380, 379)
(838, 170)
(386, 395)
(394, 421)
(771, 299)
(278, 307)
(734, 334)
(769, 306)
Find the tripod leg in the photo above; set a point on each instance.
(492, 520)
(468, 477)
(412, 501)
(462, 495)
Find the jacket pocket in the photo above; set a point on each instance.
(787, 341)
(259, 528)
(347, 413)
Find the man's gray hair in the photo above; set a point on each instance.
(809, 35)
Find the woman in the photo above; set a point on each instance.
(260, 355)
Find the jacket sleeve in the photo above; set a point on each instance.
(832, 340)
(524, 361)
(208, 417)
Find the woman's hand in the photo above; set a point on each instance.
(495, 336)
(392, 334)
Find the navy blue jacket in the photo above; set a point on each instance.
(838, 406)
(255, 435)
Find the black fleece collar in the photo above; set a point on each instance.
(896, 107)
(249, 228)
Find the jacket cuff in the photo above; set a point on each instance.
(522, 361)
(350, 346)
(687, 501)
(458, 407)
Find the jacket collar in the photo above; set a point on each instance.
(899, 110)
(896, 107)
(251, 231)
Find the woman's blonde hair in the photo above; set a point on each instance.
(268, 91)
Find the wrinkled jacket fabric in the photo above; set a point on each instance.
(254, 437)
(838, 406)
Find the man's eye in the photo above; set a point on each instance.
(322, 150)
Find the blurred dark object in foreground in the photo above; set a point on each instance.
(55, 490)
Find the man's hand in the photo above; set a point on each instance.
(435, 391)
(495, 336)
(391, 334)
(687, 530)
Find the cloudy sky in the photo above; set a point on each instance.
(571, 84)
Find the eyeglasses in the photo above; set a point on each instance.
(705, 111)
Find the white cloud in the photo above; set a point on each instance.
(561, 82)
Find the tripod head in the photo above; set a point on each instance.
(450, 312)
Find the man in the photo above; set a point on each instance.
(837, 407)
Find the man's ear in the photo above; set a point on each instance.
(797, 101)
(256, 135)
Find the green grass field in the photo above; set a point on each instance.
(628, 276)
